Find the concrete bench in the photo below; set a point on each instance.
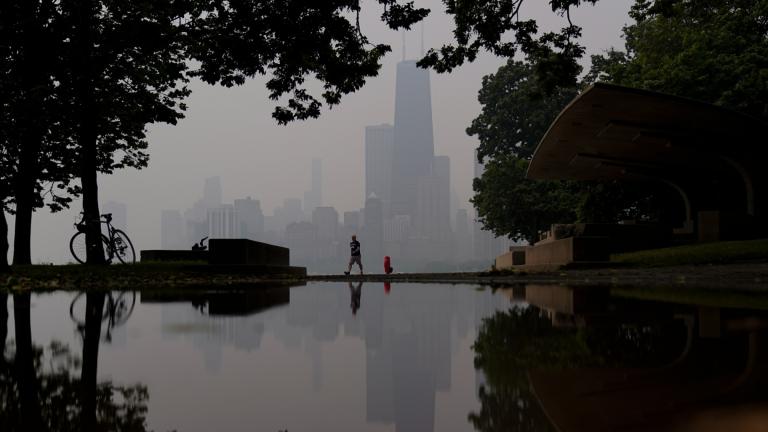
(247, 252)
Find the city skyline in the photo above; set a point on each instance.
(230, 133)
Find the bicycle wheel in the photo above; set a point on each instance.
(78, 248)
(124, 248)
(121, 307)
(77, 309)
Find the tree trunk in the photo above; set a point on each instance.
(24, 364)
(33, 80)
(25, 190)
(3, 328)
(87, 136)
(94, 307)
(3, 243)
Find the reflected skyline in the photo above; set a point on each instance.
(309, 352)
(408, 357)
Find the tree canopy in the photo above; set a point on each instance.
(713, 50)
(82, 79)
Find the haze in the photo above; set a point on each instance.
(230, 133)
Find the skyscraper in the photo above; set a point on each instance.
(379, 147)
(172, 230)
(251, 218)
(433, 218)
(197, 217)
(327, 221)
(413, 141)
(314, 197)
(373, 232)
(212, 195)
(223, 222)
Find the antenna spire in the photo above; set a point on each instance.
(422, 38)
(403, 33)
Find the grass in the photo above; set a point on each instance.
(730, 252)
(722, 299)
(135, 276)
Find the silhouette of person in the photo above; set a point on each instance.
(354, 249)
(355, 293)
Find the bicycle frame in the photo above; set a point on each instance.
(106, 219)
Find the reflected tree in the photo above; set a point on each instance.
(511, 343)
(53, 389)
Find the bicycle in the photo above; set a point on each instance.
(116, 243)
(118, 307)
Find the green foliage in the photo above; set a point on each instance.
(510, 204)
(290, 41)
(706, 253)
(507, 346)
(711, 50)
(80, 81)
(516, 111)
(482, 26)
(511, 343)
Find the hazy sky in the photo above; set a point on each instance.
(230, 133)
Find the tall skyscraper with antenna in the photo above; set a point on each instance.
(414, 147)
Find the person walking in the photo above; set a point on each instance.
(354, 249)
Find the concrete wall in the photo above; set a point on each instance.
(515, 257)
(247, 252)
(568, 250)
(173, 255)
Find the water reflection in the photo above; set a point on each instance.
(314, 358)
(40, 387)
(355, 293)
(596, 359)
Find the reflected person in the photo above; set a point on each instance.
(355, 293)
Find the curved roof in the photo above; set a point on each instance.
(613, 132)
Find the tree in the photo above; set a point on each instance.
(509, 204)
(43, 390)
(713, 50)
(34, 144)
(119, 66)
(483, 25)
(516, 113)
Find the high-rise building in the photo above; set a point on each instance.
(373, 232)
(397, 229)
(119, 214)
(212, 194)
(327, 221)
(289, 212)
(223, 222)
(433, 206)
(413, 141)
(172, 230)
(251, 218)
(463, 236)
(314, 197)
(196, 217)
(352, 220)
(379, 150)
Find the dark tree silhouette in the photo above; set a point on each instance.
(118, 66)
(482, 25)
(24, 364)
(33, 146)
(42, 389)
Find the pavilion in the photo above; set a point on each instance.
(713, 158)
